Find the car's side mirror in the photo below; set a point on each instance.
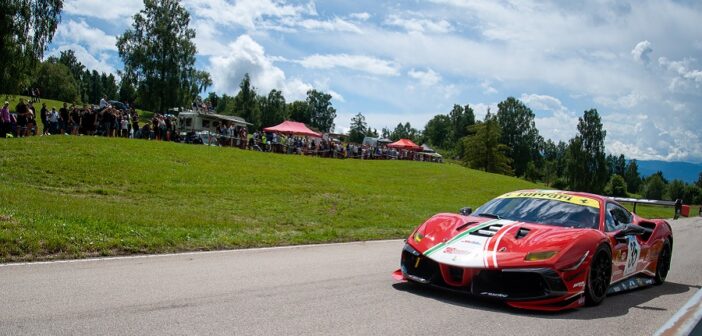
(629, 230)
(466, 211)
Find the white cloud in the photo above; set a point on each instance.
(425, 78)
(336, 24)
(628, 101)
(245, 13)
(419, 24)
(363, 16)
(106, 10)
(641, 52)
(371, 65)
(684, 78)
(487, 87)
(245, 55)
(559, 125)
(93, 38)
(100, 64)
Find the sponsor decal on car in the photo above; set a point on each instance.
(467, 250)
(556, 196)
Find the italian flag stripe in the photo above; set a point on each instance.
(438, 247)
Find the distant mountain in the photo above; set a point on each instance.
(688, 172)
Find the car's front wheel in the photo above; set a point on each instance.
(663, 264)
(599, 276)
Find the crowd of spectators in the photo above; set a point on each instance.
(109, 121)
(101, 120)
(326, 146)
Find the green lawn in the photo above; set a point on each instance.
(73, 197)
(69, 197)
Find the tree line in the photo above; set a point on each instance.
(507, 142)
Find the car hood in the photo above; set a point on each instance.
(493, 243)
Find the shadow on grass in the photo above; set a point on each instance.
(614, 305)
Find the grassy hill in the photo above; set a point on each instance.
(68, 197)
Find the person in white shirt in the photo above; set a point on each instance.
(53, 120)
(103, 102)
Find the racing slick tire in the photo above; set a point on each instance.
(599, 276)
(663, 264)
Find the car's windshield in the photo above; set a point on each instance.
(543, 211)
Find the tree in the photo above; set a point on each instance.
(299, 111)
(127, 91)
(213, 99)
(96, 89)
(322, 114)
(159, 51)
(461, 118)
(404, 131)
(676, 189)
(616, 186)
(586, 168)
(109, 85)
(273, 110)
(359, 128)
(385, 133)
(68, 58)
(692, 194)
(26, 28)
(56, 81)
(483, 149)
(519, 133)
(699, 180)
(632, 177)
(245, 103)
(438, 131)
(655, 187)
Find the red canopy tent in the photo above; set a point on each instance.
(292, 127)
(405, 144)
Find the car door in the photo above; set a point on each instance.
(626, 250)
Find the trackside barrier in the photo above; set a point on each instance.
(636, 201)
(686, 322)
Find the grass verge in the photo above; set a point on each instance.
(72, 197)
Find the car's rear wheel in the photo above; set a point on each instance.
(599, 276)
(663, 264)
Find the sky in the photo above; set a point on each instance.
(639, 63)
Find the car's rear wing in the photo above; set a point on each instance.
(636, 201)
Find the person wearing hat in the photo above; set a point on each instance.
(5, 121)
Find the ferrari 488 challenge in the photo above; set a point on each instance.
(539, 249)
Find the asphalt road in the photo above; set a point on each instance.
(343, 289)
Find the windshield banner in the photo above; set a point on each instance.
(554, 195)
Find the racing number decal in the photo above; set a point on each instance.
(632, 255)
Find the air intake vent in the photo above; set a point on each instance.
(488, 231)
(521, 233)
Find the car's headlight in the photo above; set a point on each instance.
(542, 255)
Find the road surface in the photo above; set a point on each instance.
(343, 289)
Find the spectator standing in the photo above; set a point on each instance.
(125, 126)
(5, 121)
(678, 208)
(44, 122)
(135, 122)
(21, 110)
(53, 121)
(63, 119)
(75, 120)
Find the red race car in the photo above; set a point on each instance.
(539, 249)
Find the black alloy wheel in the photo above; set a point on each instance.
(599, 277)
(663, 264)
